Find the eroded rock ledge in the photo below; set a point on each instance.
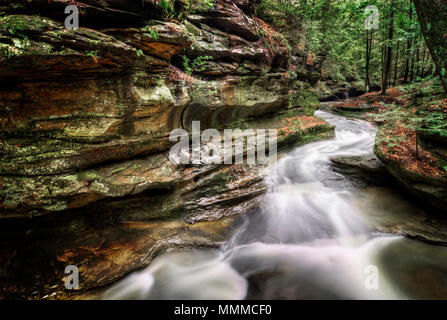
(85, 118)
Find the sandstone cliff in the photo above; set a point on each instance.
(85, 117)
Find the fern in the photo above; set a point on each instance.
(167, 8)
(196, 65)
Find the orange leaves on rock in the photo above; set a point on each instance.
(303, 123)
(420, 162)
(177, 74)
(272, 37)
(310, 59)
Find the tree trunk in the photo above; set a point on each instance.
(412, 60)
(389, 53)
(424, 61)
(396, 62)
(432, 16)
(409, 45)
(369, 37)
(418, 56)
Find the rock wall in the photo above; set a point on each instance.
(85, 117)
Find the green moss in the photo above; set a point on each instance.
(7, 51)
(117, 170)
(19, 25)
(303, 137)
(306, 100)
(58, 206)
(88, 176)
(136, 166)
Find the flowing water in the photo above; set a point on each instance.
(309, 240)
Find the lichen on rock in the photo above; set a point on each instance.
(85, 118)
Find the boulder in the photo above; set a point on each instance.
(362, 170)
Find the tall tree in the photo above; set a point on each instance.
(425, 57)
(432, 15)
(388, 53)
(409, 46)
(369, 41)
(396, 63)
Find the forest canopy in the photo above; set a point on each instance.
(393, 51)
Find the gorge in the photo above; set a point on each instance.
(86, 177)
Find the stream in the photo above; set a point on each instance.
(312, 238)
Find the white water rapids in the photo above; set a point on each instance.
(308, 241)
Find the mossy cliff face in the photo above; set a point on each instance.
(85, 117)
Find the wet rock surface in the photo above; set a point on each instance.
(392, 212)
(362, 170)
(85, 118)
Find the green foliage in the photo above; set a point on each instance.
(6, 52)
(391, 116)
(334, 31)
(14, 25)
(443, 165)
(292, 74)
(206, 4)
(189, 7)
(139, 52)
(152, 31)
(196, 65)
(91, 53)
(285, 17)
(165, 5)
(428, 120)
(432, 122)
(275, 11)
(168, 8)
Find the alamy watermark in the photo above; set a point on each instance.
(372, 277)
(72, 279)
(72, 20)
(372, 19)
(231, 146)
